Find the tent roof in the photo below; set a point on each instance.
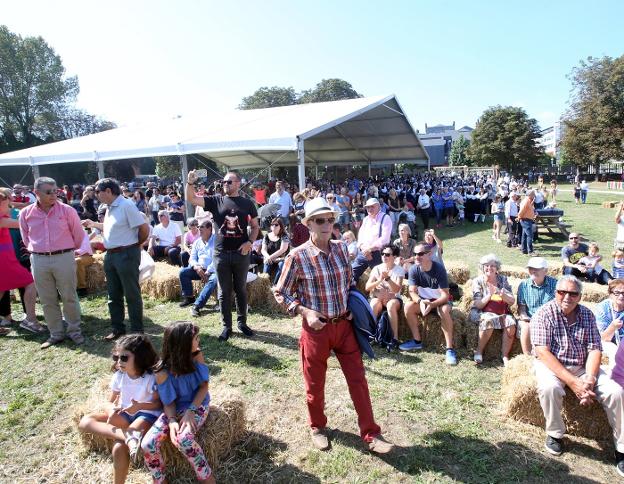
(351, 131)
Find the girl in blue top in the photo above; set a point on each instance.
(438, 206)
(182, 382)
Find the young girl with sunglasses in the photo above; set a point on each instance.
(135, 404)
(182, 381)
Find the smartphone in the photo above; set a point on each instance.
(201, 173)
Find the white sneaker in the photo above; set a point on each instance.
(505, 361)
(478, 358)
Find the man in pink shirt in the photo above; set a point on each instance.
(51, 231)
(373, 235)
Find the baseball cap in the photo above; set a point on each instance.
(371, 201)
(537, 263)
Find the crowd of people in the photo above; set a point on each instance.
(315, 244)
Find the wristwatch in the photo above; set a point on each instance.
(192, 408)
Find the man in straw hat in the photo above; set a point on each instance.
(567, 344)
(315, 284)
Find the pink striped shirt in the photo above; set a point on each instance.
(58, 229)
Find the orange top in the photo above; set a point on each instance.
(526, 209)
(260, 196)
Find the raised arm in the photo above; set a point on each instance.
(190, 194)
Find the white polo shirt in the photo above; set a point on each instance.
(121, 223)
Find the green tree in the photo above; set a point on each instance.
(505, 136)
(329, 90)
(594, 124)
(33, 88)
(269, 97)
(71, 123)
(459, 152)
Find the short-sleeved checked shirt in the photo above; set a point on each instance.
(316, 280)
(570, 343)
(534, 296)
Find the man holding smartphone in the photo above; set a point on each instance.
(232, 214)
(315, 283)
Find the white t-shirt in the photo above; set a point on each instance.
(139, 389)
(397, 273)
(423, 201)
(167, 235)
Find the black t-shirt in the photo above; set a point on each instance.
(231, 216)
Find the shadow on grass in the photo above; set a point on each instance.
(469, 459)
(253, 461)
(226, 352)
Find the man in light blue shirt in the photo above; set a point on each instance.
(282, 197)
(200, 268)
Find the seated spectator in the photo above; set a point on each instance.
(175, 207)
(349, 239)
(336, 232)
(435, 245)
(492, 298)
(84, 258)
(571, 254)
(299, 233)
(594, 271)
(609, 318)
(189, 238)
(533, 293)
(200, 267)
(275, 246)
(95, 237)
(567, 345)
(384, 285)
(428, 290)
(406, 246)
(618, 264)
(165, 240)
(256, 261)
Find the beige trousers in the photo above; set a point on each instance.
(552, 390)
(54, 275)
(82, 262)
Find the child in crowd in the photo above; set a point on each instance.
(135, 404)
(350, 240)
(618, 264)
(592, 263)
(182, 381)
(498, 211)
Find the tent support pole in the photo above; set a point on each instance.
(100, 169)
(184, 166)
(35, 171)
(316, 171)
(369, 169)
(269, 172)
(301, 167)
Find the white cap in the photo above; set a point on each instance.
(371, 201)
(537, 263)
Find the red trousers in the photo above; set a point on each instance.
(315, 347)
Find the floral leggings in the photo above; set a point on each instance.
(185, 443)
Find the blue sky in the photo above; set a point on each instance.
(445, 60)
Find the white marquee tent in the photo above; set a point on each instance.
(354, 131)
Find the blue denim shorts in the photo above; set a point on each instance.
(151, 418)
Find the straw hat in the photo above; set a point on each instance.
(317, 206)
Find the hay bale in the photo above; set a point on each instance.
(431, 329)
(493, 350)
(458, 272)
(361, 283)
(96, 277)
(594, 293)
(260, 295)
(225, 426)
(520, 401)
(164, 283)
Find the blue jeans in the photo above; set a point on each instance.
(276, 267)
(438, 215)
(187, 276)
(527, 236)
(360, 264)
(583, 196)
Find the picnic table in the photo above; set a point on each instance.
(552, 223)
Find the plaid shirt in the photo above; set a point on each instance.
(533, 296)
(570, 343)
(316, 280)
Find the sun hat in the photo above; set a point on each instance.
(537, 263)
(317, 206)
(371, 201)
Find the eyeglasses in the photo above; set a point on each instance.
(420, 254)
(386, 254)
(563, 293)
(321, 221)
(228, 182)
(123, 358)
(618, 293)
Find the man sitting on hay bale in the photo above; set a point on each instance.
(568, 349)
(428, 290)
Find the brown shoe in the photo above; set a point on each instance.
(51, 342)
(113, 336)
(319, 438)
(379, 445)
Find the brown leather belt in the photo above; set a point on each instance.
(123, 247)
(54, 252)
(338, 319)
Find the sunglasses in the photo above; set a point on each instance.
(386, 254)
(228, 182)
(563, 293)
(321, 221)
(123, 358)
(420, 254)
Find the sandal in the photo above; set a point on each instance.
(133, 441)
(32, 326)
(478, 358)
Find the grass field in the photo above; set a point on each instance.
(446, 422)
